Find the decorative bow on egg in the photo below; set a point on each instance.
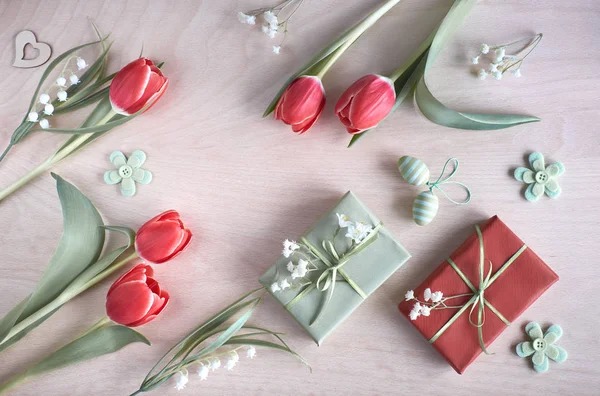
(426, 205)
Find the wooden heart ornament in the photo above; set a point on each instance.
(27, 37)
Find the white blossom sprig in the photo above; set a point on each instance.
(356, 232)
(215, 344)
(500, 61)
(431, 301)
(273, 19)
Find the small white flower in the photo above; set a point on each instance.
(271, 18)
(289, 247)
(482, 74)
(358, 232)
(493, 67)
(275, 287)
(265, 28)
(284, 284)
(517, 73)
(33, 116)
(484, 48)
(74, 79)
(475, 60)
(415, 312)
(272, 33)
(48, 109)
(44, 124)
(181, 379)
(215, 364)
(425, 310)
(497, 75)
(427, 294)
(500, 52)
(251, 352)
(231, 362)
(246, 19)
(301, 269)
(61, 95)
(276, 49)
(203, 372)
(437, 296)
(343, 220)
(44, 98)
(290, 267)
(81, 64)
(409, 295)
(61, 81)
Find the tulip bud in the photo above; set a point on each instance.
(366, 103)
(301, 103)
(137, 85)
(135, 298)
(162, 238)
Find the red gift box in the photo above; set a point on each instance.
(518, 277)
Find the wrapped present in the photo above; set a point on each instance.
(321, 279)
(477, 292)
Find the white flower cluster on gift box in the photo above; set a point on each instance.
(356, 232)
(500, 61)
(271, 23)
(44, 105)
(431, 300)
(212, 363)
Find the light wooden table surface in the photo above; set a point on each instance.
(243, 184)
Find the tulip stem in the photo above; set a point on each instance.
(69, 293)
(355, 33)
(53, 160)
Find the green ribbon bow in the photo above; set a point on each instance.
(326, 281)
(478, 301)
(439, 182)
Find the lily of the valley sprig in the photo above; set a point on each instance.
(372, 98)
(132, 90)
(356, 233)
(501, 61)
(431, 301)
(301, 100)
(273, 22)
(45, 108)
(218, 342)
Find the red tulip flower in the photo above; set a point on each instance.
(135, 298)
(162, 238)
(366, 103)
(137, 85)
(301, 103)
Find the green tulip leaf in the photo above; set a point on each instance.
(433, 109)
(98, 342)
(80, 246)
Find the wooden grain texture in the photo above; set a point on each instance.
(243, 184)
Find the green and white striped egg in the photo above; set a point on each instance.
(425, 207)
(413, 170)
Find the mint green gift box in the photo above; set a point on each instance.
(371, 263)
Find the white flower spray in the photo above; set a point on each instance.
(274, 19)
(500, 62)
(44, 105)
(356, 232)
(431, 301)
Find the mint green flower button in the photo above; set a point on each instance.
(128, 171)
(541, 179)
(542, 346)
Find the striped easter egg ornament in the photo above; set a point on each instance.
(425, 207)
(413, 170)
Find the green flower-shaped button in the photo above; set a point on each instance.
(541, 179)
(128, 171)
(542, 346)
